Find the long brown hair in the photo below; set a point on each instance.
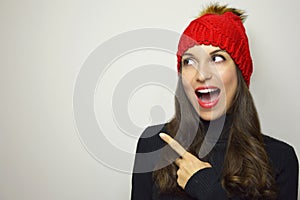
(247, 171)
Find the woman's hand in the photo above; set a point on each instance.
(188, 164)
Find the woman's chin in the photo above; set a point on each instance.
(211, 114)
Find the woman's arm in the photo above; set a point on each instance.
(287, 178)
(141, 186)
(145, 161)
(205, 185)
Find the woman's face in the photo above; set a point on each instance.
(210, 80)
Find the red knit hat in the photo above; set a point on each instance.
(225, 31)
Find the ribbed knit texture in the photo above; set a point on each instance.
(225, 31)
(205, 184)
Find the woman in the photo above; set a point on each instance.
(219, 151)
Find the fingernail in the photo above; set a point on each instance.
(162, 135)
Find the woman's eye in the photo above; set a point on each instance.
(218, 58)
(188, 61)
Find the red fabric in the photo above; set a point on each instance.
(225, 31)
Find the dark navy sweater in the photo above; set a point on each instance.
(205, 184)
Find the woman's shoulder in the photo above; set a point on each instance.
(148, 148)
(273, 144)
(280, 152)
(153, 130)
(149, 140)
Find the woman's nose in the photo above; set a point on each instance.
(203, 75)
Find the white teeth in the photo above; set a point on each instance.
(207, 90)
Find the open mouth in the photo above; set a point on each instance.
(208, 96)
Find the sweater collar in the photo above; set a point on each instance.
(218, 130)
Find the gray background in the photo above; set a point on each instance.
(43, 47)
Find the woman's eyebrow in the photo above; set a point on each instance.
(187, 54)
(216, 51)
(211, 53)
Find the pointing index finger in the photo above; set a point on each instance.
(173, 143)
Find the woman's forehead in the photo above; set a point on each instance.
(198, 49)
